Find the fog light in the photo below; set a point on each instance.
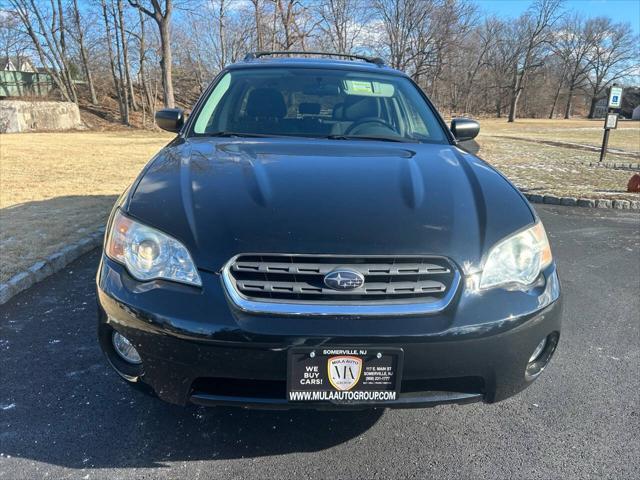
(541, 356)
(536, 353)
(125, 349)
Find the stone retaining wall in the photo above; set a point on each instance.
(32, 116)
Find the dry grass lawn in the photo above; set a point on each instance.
(584, 132)
(57, 187)
(536, 167)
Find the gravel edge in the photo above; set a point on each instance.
(53, 263)
(57, 261)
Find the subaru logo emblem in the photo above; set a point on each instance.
(344, 280)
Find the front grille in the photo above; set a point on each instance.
(300, 278)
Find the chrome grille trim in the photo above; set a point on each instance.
(362, 307)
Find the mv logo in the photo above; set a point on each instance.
(344, 372)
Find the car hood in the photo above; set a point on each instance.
(222, 197)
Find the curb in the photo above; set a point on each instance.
(53, 263)
(583, 202)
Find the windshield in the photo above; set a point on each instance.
(318, 103)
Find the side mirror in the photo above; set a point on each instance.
(170, 119)
(464, 129)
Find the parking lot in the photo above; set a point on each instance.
(65, 414)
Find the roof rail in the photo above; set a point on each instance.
(376, 60)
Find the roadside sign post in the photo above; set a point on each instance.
(611, 119)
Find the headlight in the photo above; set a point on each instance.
(148, 253)
(517, 259)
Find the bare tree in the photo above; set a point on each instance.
(12, 40)
(286, 14)
(557, 70)
(147, 103)
(536, 65)
(257, 16)
(161, 14)
(230, 36)
(125, 57)
(45, 27)
(499, 62)
(83, 52)
(291, 20)
(530, 35)
(437, 43)
(60, 42)
(343, 22)
(403, 21)
(123, 84)
(475, 57)
(196, 56)
(572, 43)
(108, 12)
(613, 56)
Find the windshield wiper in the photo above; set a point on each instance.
(365, 137)
(226, 133)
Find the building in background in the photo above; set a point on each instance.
(17, 64)
(20, 78)
(630, 103)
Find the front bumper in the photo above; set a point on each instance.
(197, 348)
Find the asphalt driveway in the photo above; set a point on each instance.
(65, 414)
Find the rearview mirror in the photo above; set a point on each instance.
(464, 129)
(170, 119)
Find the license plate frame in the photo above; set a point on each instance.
(379, 376)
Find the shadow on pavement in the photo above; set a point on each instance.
(32, 230)
(61, 404)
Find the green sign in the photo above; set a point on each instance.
(368, 88)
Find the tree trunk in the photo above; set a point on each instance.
(165, 63)
(221, 35)
(557, 95)
(83, 54)
(112, 61)
(257, 13)
(125, 59)
(63, 53)
(515, 96)
(592, 107)
(146, 93)
(555, 103)
(513, 106)
(163, 20)
(123, 91)
(286, 19)
(567, 109)
(274, 26)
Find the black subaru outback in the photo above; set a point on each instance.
(314, 236)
